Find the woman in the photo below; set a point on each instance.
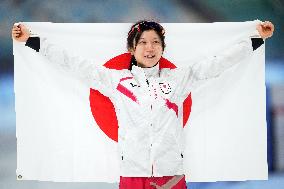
(148, 98)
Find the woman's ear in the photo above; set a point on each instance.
(131, 51)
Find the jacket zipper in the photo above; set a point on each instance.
(152, 172)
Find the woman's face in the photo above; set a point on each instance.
(148, 50)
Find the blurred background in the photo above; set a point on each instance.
(89, 11)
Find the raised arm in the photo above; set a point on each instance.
(93, 75)
(213, 66)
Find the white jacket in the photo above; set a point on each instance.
(148, 103)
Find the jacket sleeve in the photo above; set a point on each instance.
(95, 76)
(213, 66)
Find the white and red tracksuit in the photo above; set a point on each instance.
(148, 103)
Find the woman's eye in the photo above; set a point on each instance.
(142, 42)
(156, 41)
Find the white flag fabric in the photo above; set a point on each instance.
(59, 140)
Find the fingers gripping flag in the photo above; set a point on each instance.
(68, 132)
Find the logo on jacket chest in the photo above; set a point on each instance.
(165, 88)
(133, 84)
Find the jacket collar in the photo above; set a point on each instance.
(149, 72)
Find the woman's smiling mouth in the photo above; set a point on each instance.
(150, 56)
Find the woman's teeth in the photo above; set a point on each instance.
(150, 56)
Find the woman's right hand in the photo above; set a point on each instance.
(20, 32)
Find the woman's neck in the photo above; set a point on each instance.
(142, 66)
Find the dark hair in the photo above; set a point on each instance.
(139, 27)
(136, 31)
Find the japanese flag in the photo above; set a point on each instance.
(64, 135)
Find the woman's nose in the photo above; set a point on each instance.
(149, 46)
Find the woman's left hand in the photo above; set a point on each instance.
(265, 29)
